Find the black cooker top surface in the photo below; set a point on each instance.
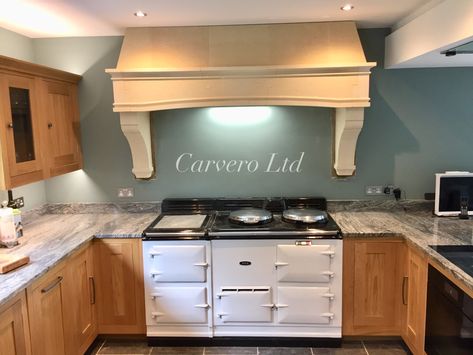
(247, 218)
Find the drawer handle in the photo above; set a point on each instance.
(52, 285)
(92, 289)
(10, 125)
(404, 290)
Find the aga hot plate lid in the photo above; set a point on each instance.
(250, 216)
(304, 215)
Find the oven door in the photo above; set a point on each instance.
(304, 263)
(449, 325)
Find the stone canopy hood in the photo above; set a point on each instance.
(303, 64)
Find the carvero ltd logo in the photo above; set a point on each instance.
(275, 163)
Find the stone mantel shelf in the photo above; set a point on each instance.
(171, 68)
(261, 71)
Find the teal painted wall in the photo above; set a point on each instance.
(420, 122)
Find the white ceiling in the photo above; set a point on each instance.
(71, 18)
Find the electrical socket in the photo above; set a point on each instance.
(126, 192)
(374, 190)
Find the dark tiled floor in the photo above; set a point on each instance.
(368, 347)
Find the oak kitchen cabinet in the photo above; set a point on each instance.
(14, 328)
(120, 290)
(416, 299)
(46, 309)
(39, 123)
(61, 307)
(373, 271)
(80, 292)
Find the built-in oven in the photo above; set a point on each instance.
(449, 325)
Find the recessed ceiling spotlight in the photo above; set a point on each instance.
(347, 7)
(140, 14)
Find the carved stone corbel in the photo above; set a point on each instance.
(136, 128)
(348, 124)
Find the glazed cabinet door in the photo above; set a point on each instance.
(119, 286)
(14, 329)
(372, 287)
(46, 314)
(79, 305)
(22, 162)
(61, 124)
(416, 299)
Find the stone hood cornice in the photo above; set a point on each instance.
(305, 64)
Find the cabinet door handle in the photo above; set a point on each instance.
(52, 285)
(10, 125)
(92, 289)
(404, 289)
(50, 125)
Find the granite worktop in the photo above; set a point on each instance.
(56, 231)
(419, 228)
(52, 235)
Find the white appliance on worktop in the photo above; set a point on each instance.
(210, 277)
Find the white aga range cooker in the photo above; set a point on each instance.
(220, 268)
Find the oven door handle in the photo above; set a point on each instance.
(280, 305)
(330, 296)
(156, 314)
(329, 253)
(330, 274)
(205, 305)
(202, 264)
(328, 315)
(269, 305)
(280, 263)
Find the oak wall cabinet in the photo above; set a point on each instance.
(372, 286)
(14, 328)
(39, 123)
(120, 291)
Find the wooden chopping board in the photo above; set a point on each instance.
(9, 262)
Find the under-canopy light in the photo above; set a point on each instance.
(240, 116)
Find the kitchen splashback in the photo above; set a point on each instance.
(304, 64)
